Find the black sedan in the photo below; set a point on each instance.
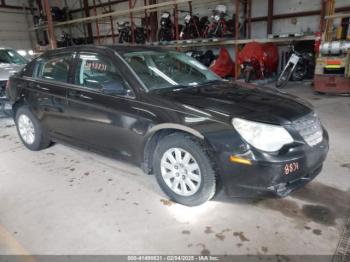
(169, 114)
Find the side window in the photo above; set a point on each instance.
(55, 68)
(99, 73)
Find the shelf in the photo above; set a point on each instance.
(220, 42)
(126, 12)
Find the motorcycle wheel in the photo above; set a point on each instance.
(299, 72)
(284, 77)
(248, 76)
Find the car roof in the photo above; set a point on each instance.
(120, 49)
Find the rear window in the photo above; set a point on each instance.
(55, 68)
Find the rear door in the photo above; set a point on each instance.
(101, 105)
(47, 92)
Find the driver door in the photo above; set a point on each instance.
(98, 118)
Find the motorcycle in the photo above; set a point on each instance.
(206, 58)
(191, 28)
(300, 65)
(67, 40)
(125, 33)
(204, 25)
(217, 27)
(223, 66)
(166, 28)
(258, 60)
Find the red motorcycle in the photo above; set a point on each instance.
(257, 60)
(223, 66)
(217, 26)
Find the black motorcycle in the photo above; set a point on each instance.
(58, 15)
(206, 58)
(67, 40)
(125, 33)
(166, 28)
(300, 66)
(191, 28)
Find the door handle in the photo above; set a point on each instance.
(38, 86)
(78, 94)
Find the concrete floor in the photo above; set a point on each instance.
(66, 201)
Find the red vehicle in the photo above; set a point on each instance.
(217, 26)
(257, 60)
(223, 66)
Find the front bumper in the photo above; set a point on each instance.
(273, 174)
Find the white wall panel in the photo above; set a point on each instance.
(14, 28)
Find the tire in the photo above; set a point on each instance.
(284, 77)
(38, 139)
(248, 76)
(205, 183)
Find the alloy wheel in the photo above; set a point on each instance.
(26, 129)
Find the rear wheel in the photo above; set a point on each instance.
(284, 76)
(30, 130)
(184, 170)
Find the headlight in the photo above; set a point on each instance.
(265, 137)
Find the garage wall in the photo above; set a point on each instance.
(14, 28)
(289, 25)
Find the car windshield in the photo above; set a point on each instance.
(162, 70)
(9, 56)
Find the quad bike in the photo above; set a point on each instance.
(191, 28)
(300, 65)
(166, 32)
(217, 26)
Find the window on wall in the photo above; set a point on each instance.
(97, 72)
(55, 68)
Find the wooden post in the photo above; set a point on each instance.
(132, 23)
(269, 17)
(249, 18)
(50, 29)
(176, 21)
(97, 25)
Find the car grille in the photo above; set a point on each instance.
(309, 127)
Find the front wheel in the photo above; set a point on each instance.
(184, 170)
(284, 76)
(30, 130)
(248, 76)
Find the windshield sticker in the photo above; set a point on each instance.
(97, 66)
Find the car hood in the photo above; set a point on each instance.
(6, 70)
(222, 101)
